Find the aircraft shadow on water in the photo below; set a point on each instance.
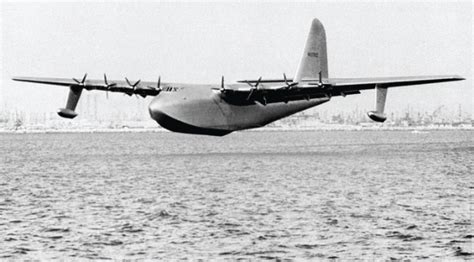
(222, 108)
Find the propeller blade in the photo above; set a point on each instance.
(84, 78)
(288, 84)
(106, 82)
(128, 81)
(222, 89)
(254, 87)
(130, 84)
(107, 85)
(250, 94)
(258, 82)
(136, 83)
(82, 81)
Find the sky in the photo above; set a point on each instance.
(197, 42)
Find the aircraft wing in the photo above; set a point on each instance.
(285, 90)
(76, 86)
(369, 83)
(47, 81)
(139, 88)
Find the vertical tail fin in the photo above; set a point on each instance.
(314, 58)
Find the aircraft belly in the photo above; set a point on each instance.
(204, 113)
(257, 115)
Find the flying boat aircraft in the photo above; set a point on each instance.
(219, 109)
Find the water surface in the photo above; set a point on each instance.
(311, 195)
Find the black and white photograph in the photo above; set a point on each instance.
(236, 130)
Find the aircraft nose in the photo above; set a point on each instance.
(155, 110)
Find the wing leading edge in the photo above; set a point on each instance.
(388, 81)
(47, 81)
(370, 83)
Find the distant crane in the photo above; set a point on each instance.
(435, 113)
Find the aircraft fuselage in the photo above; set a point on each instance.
(200, 109)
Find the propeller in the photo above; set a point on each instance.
(134, 86)
(108, 86)
(320, 84)
(254, 87)
(289, 85)
(107, 83)
(222, 87)
(158, 84)
(264, 101)
(83, 81)
(157, 88)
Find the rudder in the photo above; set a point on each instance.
(314, 58)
